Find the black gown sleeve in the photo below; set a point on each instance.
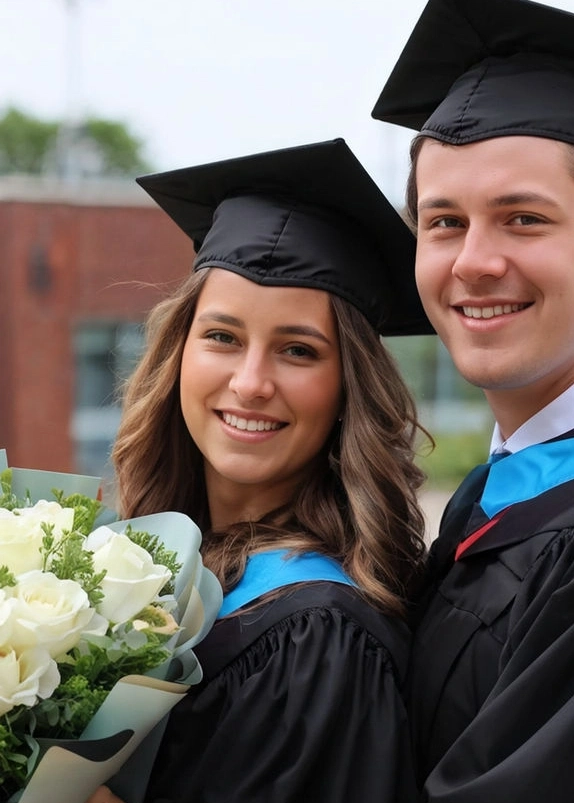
(520, 746)
(311, 710)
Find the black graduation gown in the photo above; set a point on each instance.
(492, 675)
(300, 701)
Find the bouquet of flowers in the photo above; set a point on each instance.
(97, 625)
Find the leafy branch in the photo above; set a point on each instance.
(68, 560)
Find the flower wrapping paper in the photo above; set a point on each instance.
(119, 744)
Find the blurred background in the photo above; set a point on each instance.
(96, 92)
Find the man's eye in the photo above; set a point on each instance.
(447, 223)
(526, 220)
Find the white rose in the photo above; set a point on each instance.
(26, 677)
(132, 579)
(49, 612)
(6, 616)
(21, 533)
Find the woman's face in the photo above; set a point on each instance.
(260, 385)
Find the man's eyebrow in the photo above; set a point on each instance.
(508, 199)
(436, 203)
(514, 198)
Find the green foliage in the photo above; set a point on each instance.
(416, 358)
(13, 761)
(89, 670)
(119, 150)
(454, 455)
(67, 712)
(86, 510)
(29, 145)
(104, 660)
(6, 577)
(88, 673)
(24, 142)
(7, 499)
(68, 560)
(428, 369)
(63, 556)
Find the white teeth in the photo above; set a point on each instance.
(249, 424)
(491, 312)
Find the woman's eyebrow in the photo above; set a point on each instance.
(221, 317)
(305, 331)
(292, 329)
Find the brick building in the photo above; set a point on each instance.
(80, 266)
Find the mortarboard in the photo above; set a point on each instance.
(475, 69)
(309, 216)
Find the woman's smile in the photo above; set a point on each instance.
(248, 423)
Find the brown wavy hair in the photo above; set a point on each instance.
(358, 503)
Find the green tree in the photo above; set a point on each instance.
(24, 142)
(94, 147)
(120, 150)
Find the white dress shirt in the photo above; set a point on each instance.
(553, 420)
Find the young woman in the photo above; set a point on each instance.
(267, 408)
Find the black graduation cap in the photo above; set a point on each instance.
(475, 69)
(309, 216)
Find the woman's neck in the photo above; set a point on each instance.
(230, 504)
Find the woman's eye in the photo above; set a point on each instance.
(299, 351)
(220, 337)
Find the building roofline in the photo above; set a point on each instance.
(78, 192)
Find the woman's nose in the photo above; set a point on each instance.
(252, 378)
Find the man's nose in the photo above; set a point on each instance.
(480, 257)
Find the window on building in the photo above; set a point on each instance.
(105, 355)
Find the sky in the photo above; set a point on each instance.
(202, 80)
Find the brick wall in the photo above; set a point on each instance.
(65, 260)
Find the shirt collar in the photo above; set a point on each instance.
(553, 420)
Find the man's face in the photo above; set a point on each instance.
(495, 266)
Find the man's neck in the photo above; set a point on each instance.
(552, 420)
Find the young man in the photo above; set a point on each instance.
(489, 84)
